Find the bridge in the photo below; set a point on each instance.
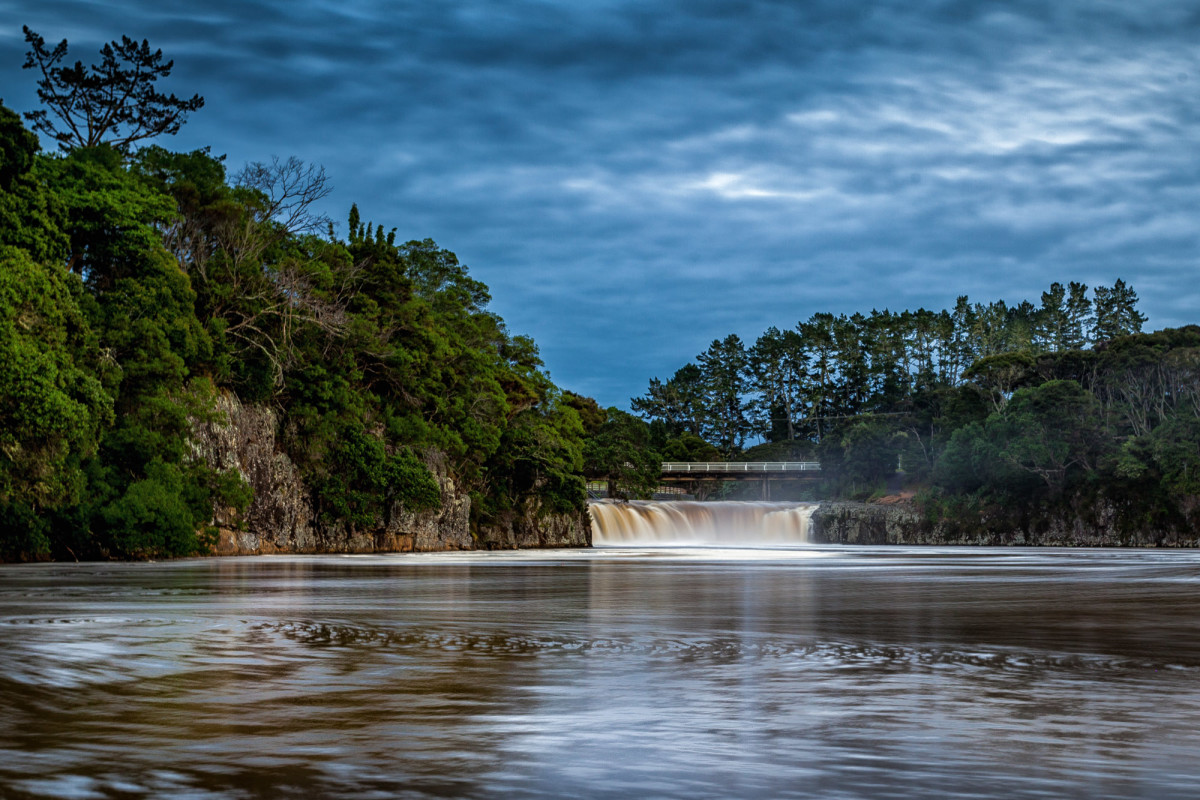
(675, 475)
(734, 470)
(675, 472)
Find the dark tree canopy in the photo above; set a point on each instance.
(112, 102)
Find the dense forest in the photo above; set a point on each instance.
(991, 409)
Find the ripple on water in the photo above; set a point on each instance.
(821, 680)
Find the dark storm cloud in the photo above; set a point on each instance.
(635, 179)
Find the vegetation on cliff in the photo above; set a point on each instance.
(137, 284)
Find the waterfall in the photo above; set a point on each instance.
(677, 524)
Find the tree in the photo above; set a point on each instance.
(1051, 320)
(31, 216)
(111, 217)
(817, 334)
(112, 102)
(1079, 317)
(1116, 312)
(619, 452)
(1049, 431)
(1001, 374)
(960, 350)
(871, 449)
(724, 366)
(679, 403)
(52, 410)
(777, 364)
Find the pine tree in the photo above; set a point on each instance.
(1079, 317)
(1116, 312)
(724, 369)
(1051, 320)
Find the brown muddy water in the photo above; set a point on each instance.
(816, 672)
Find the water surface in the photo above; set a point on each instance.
(817, 672)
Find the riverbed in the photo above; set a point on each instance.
(813, 672)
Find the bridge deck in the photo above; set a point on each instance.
(740, 466)
(735, 470)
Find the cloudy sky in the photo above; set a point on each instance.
(634, 178)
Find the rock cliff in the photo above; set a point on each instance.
(281, 519)
(1098, 523)
(528, 527)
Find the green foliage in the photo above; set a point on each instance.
(31, 216)
(1174, 446)
(112, 216)
(871, 450)
(361, 480)
(157, 515)
(1046, 436)
(620, 452)
(802, 384)
(52, 409)
(1001, 374)
(997, 405)
(541, 455)
(137, 286)
(690, 447)
(23, 532)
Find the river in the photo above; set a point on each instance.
(814, 672)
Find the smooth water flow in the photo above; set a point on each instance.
(689, 524)
(817, 672)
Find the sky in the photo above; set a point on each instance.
(636, 178)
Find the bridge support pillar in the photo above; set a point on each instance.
(766, 489)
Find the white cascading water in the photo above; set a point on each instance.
(681, 524)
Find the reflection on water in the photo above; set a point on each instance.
(819, 672)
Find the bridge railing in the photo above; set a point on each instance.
(740, 466)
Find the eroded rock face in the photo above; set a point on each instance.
(444, 528)
(281, 517)
(1097, 524)
(527, 527)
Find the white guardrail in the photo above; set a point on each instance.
(741, 466)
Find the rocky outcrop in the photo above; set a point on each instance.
(530, 527)
(1099, 523)
(281, 517)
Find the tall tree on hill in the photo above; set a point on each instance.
(1116, 312)
(113, 102)
(961, 347)
(1021, 326)
(817, 333)
(679, 403)
(990, 329)
(766, 370)
(778, 367)
(1079, 317)
(1050, 329)
(724, 367)
(851, 351)
(924, 331)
